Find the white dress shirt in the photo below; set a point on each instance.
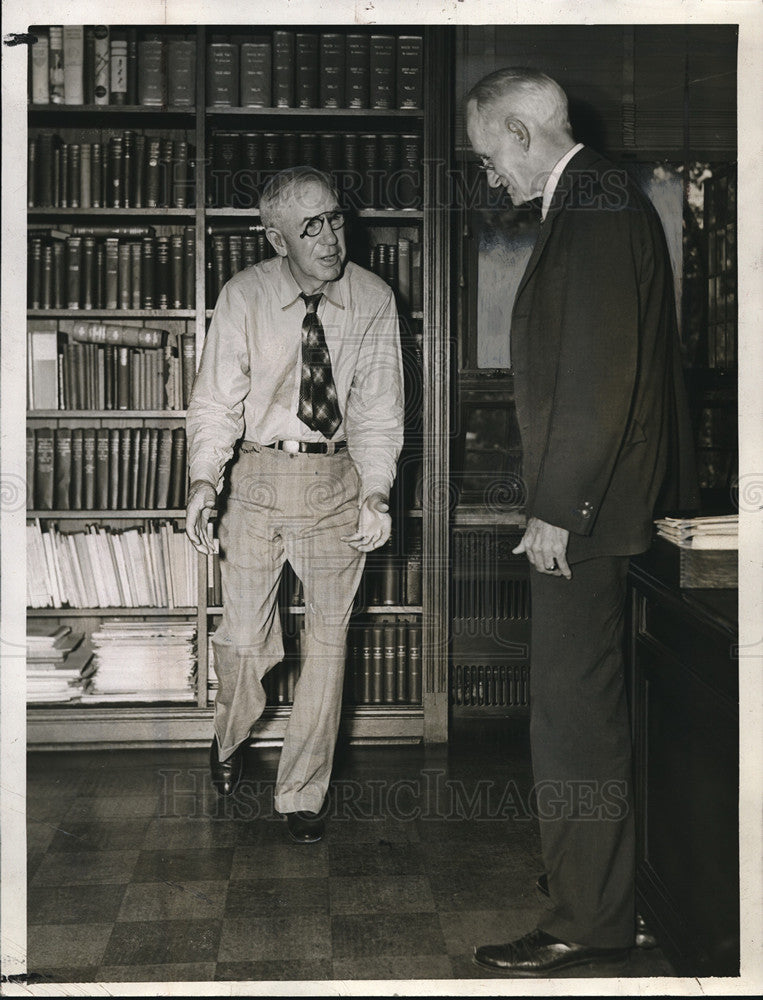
(553, 179)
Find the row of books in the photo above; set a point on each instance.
(720, 212)
(59, 663)
(105, 468)
(69, 271)
(127, 170)
(390, 579)
(99, 64)
(384, 665)
(147, 661)
(399, 264)
(304, 69)
(370, 170)
(152, 566)
(98, 366)
(490, 685)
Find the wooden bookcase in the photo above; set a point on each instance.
(136, 725)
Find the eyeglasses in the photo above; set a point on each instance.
(486, 164)
(314, 226)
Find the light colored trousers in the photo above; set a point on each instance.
(281, 507)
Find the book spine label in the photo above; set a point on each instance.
(181, 72)
(40, 71)
(283, 69)
(102, 64)
(256, 74)
(74, 63)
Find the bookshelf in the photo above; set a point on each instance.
(197, 212)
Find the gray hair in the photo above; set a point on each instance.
(282, 188)
(535, 95)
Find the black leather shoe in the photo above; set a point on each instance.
(644, 937)
(225, 774)
(538, 953)
(305, 827)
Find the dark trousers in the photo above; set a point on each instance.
(581, 752)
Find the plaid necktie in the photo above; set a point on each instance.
(318, 405)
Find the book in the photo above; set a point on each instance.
(73, 271)
(358, 71)
(118, 66)
(181, 72)
(74, 60)
(42, 362)
(44, 449)
(306, 69)
(112, 333)
(417, 286)
(77, 475)
(366, 668)
(389, 640)
(62, 468)
(188, 365)
(125, 464)
(333, 69)
(414, 664)
(114, 460)
(56, 64)
(403, 273)
(30, 467)
(410, 71)
(401, 663)
(409, 186)
(284, 52)
(178, 470)
(101, 63)
(377, 664)
(222, 74)
(256, 74)
(163, 468)
(40, 68)
(88, 468)
(382, 71)
(152, 73)
(132, 65)
(102, 468)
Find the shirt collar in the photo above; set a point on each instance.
(553, 178)
(289, 291)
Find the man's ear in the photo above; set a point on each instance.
(518, 130)
(276, 240)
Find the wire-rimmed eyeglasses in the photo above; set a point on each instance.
(314, 226)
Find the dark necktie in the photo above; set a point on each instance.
(318, 404)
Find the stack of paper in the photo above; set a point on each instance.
(720, 532)
(144, 661)
(59, 663)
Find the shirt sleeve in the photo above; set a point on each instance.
(215, 415)
(374, 417)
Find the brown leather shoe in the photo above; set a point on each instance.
(644, 937)
(225, 774)
(305, 827)
(538, 954)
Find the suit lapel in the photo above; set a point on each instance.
(561, 195)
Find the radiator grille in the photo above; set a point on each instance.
(490, 686)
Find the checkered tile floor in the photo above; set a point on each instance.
(139, 873)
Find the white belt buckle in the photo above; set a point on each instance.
(290, 447)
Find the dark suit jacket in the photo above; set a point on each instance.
(599, 388)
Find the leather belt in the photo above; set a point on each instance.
(307, 447)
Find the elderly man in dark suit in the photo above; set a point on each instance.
(601, 411)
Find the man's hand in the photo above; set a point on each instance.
(545, 546)
(374, 525)
(201, 502)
